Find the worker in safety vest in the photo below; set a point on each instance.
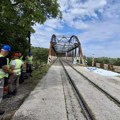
(6, 80)
(3, 69)
(23, 69)
(14, 79)
(20, 56)
(29, 63)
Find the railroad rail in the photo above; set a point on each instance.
(86, 110)
(116, 101)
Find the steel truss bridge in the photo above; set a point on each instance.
(65, 46)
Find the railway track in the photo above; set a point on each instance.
(86, 111)
(116, 101)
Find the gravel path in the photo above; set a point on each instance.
(10, 105)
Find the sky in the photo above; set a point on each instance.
(96, 23)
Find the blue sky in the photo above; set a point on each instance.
(95, 22)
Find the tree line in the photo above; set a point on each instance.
(104, 60)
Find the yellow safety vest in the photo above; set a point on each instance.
(30, 58)
(21, 57)
(2, 73)
(17, 68)
(6, 74)
(10, 62)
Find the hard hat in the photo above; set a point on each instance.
(6, 48)
(29, 53)
(16, 54)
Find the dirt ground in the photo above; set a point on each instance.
(10, 105)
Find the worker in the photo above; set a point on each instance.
(20, 56)
(29, 63)
(3, 69)
(14, 79)
(23, 69)
(7, 93)
(6, 81)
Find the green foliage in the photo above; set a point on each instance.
(105, 60)
(38, 74)
(40, 55)
(117, 62)
(89, 61)
(18, 16)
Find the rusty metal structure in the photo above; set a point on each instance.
(65, 46)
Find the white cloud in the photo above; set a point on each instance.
(102, 27)
(101, 31)
(53, 23)
(112, 11)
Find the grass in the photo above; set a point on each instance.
(37, 75)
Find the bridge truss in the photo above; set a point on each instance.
(65, 46)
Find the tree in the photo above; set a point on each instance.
(40, 55)
(89, 61)
(117, 62)
(106, 60)
(18, 16)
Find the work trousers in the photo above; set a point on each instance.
(29, 68)
(1, 88)
(13, 83)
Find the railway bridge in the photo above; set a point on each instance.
(65, 46)
(70, 91)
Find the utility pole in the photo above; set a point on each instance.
(29, 41)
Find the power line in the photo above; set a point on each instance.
(36, 38)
